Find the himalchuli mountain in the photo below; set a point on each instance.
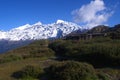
(40, 31)
(25, 34)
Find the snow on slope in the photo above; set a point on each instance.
(2, 34)
(40, 31)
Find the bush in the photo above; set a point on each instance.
(28, 72)
(71, 70)
(103, 76)
(99, 52)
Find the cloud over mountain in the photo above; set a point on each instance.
(92, 14)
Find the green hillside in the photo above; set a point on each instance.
(35, 54)
(97, 58)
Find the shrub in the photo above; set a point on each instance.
(71, 70)
(28, 72)
(103, 76)
(99, 52)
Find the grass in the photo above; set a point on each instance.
(36, 54)
(41, 55)
(113, 73)
(6, 69)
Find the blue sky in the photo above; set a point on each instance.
(14, 13)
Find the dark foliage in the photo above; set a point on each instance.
(71, 70)
(28, 72)
(100, 52)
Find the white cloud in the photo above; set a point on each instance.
(92, 14)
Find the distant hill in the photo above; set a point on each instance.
(6, 45)
(33, 49)
(105, 29)
(63, 28)
(115, 29)
(114, 32)
(98, 31)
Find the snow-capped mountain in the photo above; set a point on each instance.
(2, 35)
(40, 31)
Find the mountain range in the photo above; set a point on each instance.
(25, 34)
(40, 31)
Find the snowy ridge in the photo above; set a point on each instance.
(60, 21)
(23, 27)
(40, 31)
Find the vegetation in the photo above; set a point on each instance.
(34, 50)
(99, 52)
(35, 54)
(93, 59)
(71, 70)
(10, 58)
(66, 70)
(28, 72)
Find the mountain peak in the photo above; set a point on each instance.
(40, 31)
(60, 21)
(23, 27)
(38, 23)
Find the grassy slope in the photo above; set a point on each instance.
(7, 69)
